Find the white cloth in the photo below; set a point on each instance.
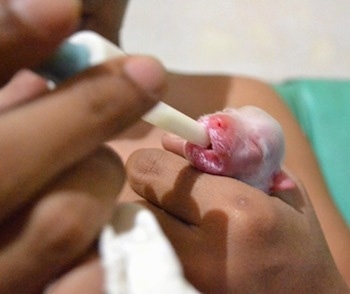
(138, 258)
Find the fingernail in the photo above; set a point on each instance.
(47, 16)
(147, 73)
(173, 138)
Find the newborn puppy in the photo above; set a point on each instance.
(246, 144)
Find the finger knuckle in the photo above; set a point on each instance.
(98, 96)
(145, 164)
(62, 233)
(256, 221)
(101, 92)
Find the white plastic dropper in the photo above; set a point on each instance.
(96, 50)
(174, 121)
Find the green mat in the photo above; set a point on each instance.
(322, 108)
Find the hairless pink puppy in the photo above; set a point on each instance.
(246, 144)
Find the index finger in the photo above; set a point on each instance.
(171, 183)
(42, 138)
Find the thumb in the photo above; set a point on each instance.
(31, 29)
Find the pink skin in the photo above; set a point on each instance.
(246, 144)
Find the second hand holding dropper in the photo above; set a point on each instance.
(86, 49)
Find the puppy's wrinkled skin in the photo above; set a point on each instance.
(246, 144)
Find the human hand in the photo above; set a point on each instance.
(58, 182)
(230, 237)
(34, 29)
(104, 17)
(31, 31)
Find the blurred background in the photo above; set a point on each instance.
(274, 40)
